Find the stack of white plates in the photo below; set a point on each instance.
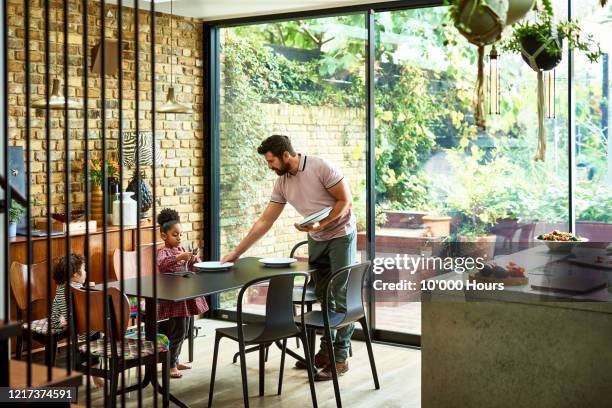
(277, 262)
(212, 266)
(316, 217)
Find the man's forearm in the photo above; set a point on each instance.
(340, 208)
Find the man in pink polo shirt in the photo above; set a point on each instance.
(311, 184)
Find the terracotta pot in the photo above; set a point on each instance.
(97, 205)
(477, 247)
(437, 225)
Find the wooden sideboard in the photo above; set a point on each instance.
(78, 241)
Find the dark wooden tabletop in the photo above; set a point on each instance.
(178, 288)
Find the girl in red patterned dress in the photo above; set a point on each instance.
(173, 258)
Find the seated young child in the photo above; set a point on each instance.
(60, 273)
(59, 308)
(172, 258)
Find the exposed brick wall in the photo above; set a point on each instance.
(336, 134)
(181, 135)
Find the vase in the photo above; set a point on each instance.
(112, 189)
(97, 205)
(12, 230)
(130, 209)
(146, 197)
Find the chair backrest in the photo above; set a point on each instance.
(38, 283)
(130, 262)
(279, 317)
(295, 249)
(97, 311)
(354, 276)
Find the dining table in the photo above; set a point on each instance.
(191, 285)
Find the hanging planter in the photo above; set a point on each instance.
(481, 22)
(540, 43)
(517, 9)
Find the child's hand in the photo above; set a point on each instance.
(185, 256)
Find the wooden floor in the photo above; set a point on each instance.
(399, 372)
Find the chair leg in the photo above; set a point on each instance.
(214, 370)
(50, 351)
(166, 379)
(312, 339)
(53, 350)
(297, 339)
(114, 383)
(267, 351)
(364, 326)
(332, 361)
(262, 369)
(190, 340)
(18, 347)
(243, 372)
(282, 367)
(309, 365)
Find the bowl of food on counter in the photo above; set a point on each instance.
(559, 241)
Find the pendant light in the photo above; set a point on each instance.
(171, 105)
(56, 99)
(494, 94)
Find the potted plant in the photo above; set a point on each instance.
(472, 199)
(481, 22)
(16, 214)
(540, 43)
(96, 177)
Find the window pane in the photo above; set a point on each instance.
(439, 180)
(593, 169)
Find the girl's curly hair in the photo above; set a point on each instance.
(167, 218)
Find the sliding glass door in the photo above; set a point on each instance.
(303, 79)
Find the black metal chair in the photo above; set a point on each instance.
(355, 312)
(310, 298)
(105, 317)
(279, 324)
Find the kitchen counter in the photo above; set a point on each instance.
(520, 346)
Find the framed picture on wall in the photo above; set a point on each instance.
(143, 142)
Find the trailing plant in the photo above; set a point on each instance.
(544, 27)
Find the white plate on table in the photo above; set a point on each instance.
(277, 262)
(316, 217)
(212, 266)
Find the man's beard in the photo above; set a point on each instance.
(283, 170)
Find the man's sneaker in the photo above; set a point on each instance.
(320, 361)
(326, 373)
